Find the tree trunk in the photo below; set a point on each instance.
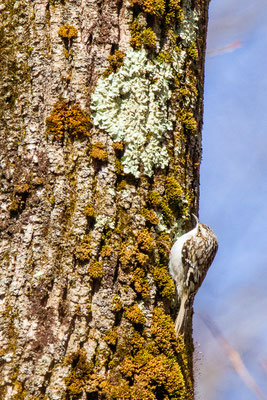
(101, 106)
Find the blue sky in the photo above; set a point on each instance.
(233, 200)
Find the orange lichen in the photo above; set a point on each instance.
(118, 146)
(111, 336)
(89, 210)
(106, 251)
(145, 240)
(151, 216)
(98, 153)
(20, 189)
(142, 258)
(164, 282)
(135, 315)
(83, 250)
(140, 282)
(67, 119)
(127, 255)
(67, 32)
(80, 373)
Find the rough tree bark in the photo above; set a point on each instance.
(101, 115)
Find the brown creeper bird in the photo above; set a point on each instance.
(190, 258)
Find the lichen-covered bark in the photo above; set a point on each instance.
(87, 303)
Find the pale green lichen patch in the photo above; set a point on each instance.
(189, 26)
(131, 105)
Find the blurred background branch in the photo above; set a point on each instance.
(234, 357)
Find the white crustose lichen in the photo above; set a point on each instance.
(188, 29)
(131, 105)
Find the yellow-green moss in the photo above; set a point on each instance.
(107, 232)
(158, 8)
(160, 203)
(141, 37)
(16, 205)
(21, 394)
(111, 336)
(14, 67)
(115, 62)
(18, 200)
(175, 12)
(67, 32)
(148, 38)
(116, 303)
(9, 317)
(122, 185)
(135, 315)
(164, 282)
(185, 92)
(154, 7)
(119, 167)
(52, 199)
(98, 153)
(120, 391)
(140, 282)
(188, 89)
(132, 365)
(83, 250)
(68, 53)
(188, 120)
(193, 51)
(174, 199)
(170, 12)
(135, 341)
(66, 120)
(188, 204)
(89, 210)
(165, 57)
(95, 270)
(173, 191)
(38, 181)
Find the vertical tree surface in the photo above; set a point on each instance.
(101, 114)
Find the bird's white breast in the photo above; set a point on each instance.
(175, 263)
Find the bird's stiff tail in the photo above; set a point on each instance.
(181, 315)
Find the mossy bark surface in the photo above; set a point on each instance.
(86, 301)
